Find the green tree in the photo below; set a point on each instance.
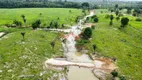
(129, 10)
(117, 12)
(85, 5)
(117, 18)
(24, 19)
(94, 47)
(36, 24)
(56, 25)
(23, 34)
(124, 22)
(96, 19)
(87, 33)
(111, 20)
(63, 26)
(116, 6)
(122, 78)
(114, 73)
(17, 23)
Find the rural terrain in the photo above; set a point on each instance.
(70, 43)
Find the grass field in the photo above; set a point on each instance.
(125, 45)
(25, 58)
(19, 59)
(48, 14)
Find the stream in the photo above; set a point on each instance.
(79, 67)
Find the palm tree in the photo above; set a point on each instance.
(24, 19)
(23, 34)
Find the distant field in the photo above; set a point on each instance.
(48, 14)
(125, 45)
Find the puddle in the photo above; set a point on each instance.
(76, 73)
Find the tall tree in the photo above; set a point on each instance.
(85, 5)
(124, 22)
(24, 19)
(111, 19)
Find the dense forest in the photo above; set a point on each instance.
(66, 4)
(37, 3)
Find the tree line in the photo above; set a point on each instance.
(38, 3)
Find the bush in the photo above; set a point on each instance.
(94, 47)
(17, 23)
(134, 14)
(120, 15)
(8, 25)
(124, 22)
(87, 33)
(114, 73)
(117, 18)
(96, 19)
(93, 16)
(111, 17)
(110, 23)
(56, 25)
(122, 78)
(36, 24)
(93, 26)
(81, 42)
(107, 16)
(138, 19)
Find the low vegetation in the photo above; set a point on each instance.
(23, 59)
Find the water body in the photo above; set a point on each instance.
(77, 73)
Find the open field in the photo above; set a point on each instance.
(46, 15)
(125, 45)
(18, 58)
(23, 60)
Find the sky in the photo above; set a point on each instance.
(102, 0)
(130, 0)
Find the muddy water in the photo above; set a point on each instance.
(76, 73)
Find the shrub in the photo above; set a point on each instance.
(94, 47)
(117, 18)
(17, 23)
(110, 23)
(87, 33)
(138, 19)
(120, 15)
(124, 22)
(107, 16)
(111, 17)
(93, 16)
(114, 73)
(96, 19)
(81, 42)
(134, 14)
(117, 12)
(36, 24)
(56, 25)
(93, 26)
(8, 25)
(122, 78)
